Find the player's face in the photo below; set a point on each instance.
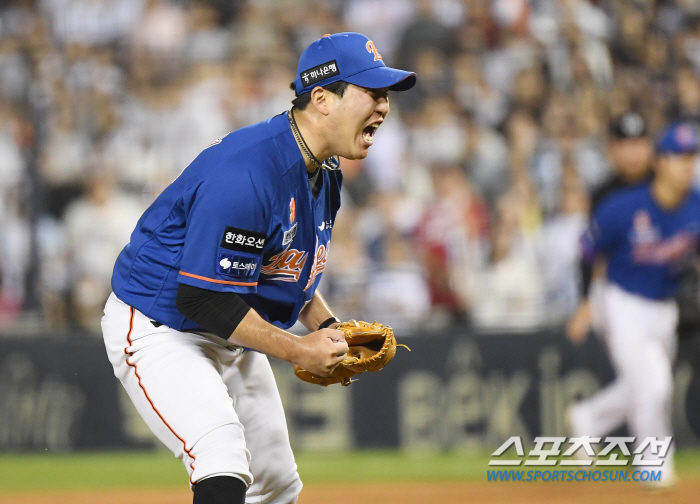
(677, 170)
(355, 119)
(632, 156)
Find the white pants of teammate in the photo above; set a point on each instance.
(640, 335)
(213, 405)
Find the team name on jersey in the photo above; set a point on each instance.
(677, 249)
(285, 266)
(649, 246)
(319, 263)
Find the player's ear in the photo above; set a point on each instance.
(320, 100)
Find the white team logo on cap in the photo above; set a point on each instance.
(632, 124)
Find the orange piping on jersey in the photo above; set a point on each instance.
(227, 282)
(138, 376)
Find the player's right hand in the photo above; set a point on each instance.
(579, 325)
(321, 351)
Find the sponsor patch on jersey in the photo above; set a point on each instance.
(235, 265)
(319, 72)
(289, 235)
(243, 240)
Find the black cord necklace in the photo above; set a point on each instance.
(300, 140)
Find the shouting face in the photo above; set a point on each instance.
(354, 119)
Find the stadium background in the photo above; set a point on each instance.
(460, 228)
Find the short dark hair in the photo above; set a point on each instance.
(301, 101)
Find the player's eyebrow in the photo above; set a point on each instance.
(378, 92)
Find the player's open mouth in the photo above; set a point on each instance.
(368, 132)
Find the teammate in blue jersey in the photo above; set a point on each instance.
(227, 258)
(648, 234)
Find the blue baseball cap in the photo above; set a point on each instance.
(349, 57)
(678, 138)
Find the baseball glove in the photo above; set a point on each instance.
(372, 346)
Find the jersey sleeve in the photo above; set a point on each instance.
(602, 232)
(227, 227)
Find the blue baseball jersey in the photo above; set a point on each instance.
(647, 247)
(240, 218)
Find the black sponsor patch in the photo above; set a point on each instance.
(243, 240)
(319, 73)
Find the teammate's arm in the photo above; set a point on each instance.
(315, 312)
(579, 324)
(595, 244)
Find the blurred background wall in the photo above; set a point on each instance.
(464, 218)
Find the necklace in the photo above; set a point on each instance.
(300, 140)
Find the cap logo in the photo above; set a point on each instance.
(685, 136)
(319, 73)
(371, 49)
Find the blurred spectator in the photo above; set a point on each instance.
(14, 260)
(450, 237)
(397, 293)
(566, 134)
(98, 226)
(511, 291)
(486, 158)
(14, 226)
(91, 22)
(687, 103)
(425, 32)
(384, 30)
(14, 71)
(346, 275)
(208, 40)
(437, 133)
(558, 248)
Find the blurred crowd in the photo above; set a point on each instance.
(469, 207)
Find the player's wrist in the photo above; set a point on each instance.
(329, 322)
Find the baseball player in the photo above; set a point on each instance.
(648, 234)
(631, 151)
(226, 259)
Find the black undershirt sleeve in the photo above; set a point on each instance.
(217, 312)
(586, 271)
(585, 266)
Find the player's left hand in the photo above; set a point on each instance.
(580, 324)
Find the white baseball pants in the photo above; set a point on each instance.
(213, 405)
(640, 334)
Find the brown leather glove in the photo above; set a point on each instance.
(372, 346)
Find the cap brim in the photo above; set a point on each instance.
(383, 77)
(666, 151)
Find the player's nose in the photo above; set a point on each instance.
(382, 106)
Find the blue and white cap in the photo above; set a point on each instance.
(678, 138)
(349, 57)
